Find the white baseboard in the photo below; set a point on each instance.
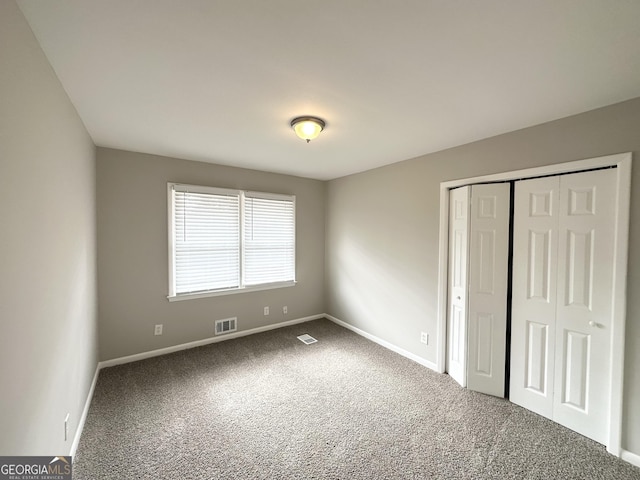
(85, 411)
(206, 341)
(385, 344)
(632, 458)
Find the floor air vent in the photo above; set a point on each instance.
(225, 326)
(307, 339)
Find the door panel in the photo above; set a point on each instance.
(579, 251)
(585, 284)
(488, 274)
(575, 370)
(536, 357)
(484, 345)
(458, 254)
(539, 278)
(458, 328)
(486, 249)
(535, 251)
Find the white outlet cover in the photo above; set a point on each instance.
(266, 310)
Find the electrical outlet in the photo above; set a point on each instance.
(424, 338)
(285, 310)
(158, 330)
(66, 427)
(266, 311)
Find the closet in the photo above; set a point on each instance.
(548, 299)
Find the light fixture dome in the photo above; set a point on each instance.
(307, 128)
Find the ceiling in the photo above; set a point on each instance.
(220, 80)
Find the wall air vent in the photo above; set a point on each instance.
(227, 325)
(307, 339)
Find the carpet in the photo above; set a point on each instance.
(267, 406)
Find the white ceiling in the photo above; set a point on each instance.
(219, 81)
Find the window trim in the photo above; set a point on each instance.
(171, 187)
(230, 291)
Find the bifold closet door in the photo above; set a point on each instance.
(562, 298)
(458, 269)
(478, 263)
(586, 249)
(488, 285)
(533, 300)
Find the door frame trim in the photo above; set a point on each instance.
(623, 163)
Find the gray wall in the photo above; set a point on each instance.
(48, 342)
(382, 231)
(133, 257)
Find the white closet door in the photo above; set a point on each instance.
(562, 299)
(458, 267)
(535, 252)
(585, 284)
(488, 275)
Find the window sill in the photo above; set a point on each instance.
(229, 291)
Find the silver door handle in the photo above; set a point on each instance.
(592, 323)
(458, 298)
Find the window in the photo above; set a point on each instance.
(228, 241)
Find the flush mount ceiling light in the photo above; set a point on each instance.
(307, 128)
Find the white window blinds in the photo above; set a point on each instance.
(229, 239)
(207, 250)
(269, 239)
